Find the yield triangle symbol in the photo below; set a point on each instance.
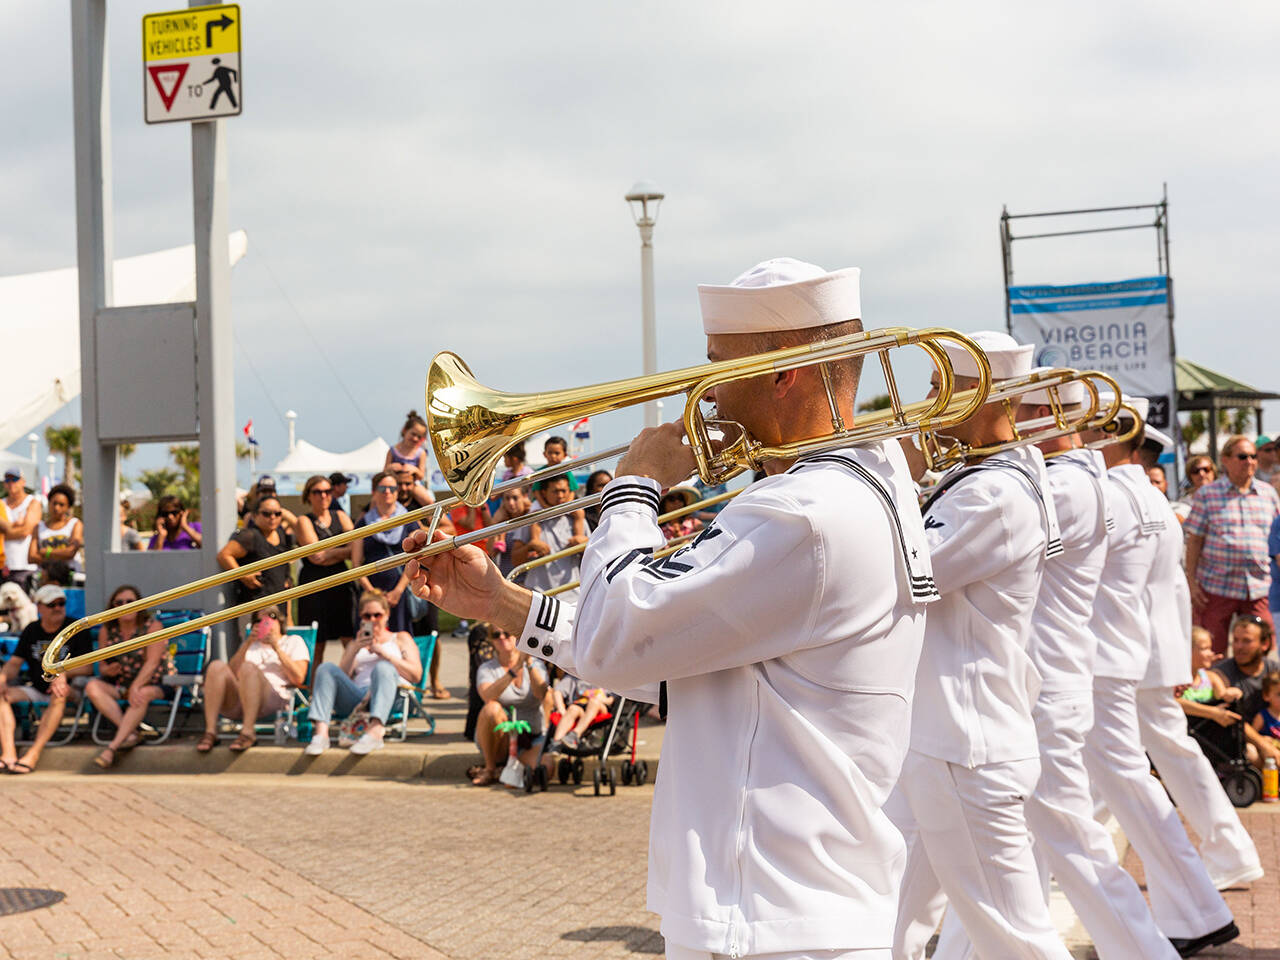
(170, 75)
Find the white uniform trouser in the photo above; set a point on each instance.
(677, 952)
(1074, 847)
(967, 842)
(1225, 845)
(1184, 900)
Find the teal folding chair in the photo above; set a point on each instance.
(409, 697)
(290, 721)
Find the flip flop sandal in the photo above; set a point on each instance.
(105, 759)
(243, 742)
(485, 778)
(207, 742)
(441, 694)
(19, 767)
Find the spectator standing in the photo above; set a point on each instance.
(51, 605)
(266, 487)
(595, 483)
(174, 529)
(1228, 564)
(513, 465)
(1201, 470)
(547, 537)
(408, 450)
(130, 539)
(1158, 479)
(1251, 660)
(261, 537)
(409, 490)
(340, 482)
(378, 546)
(333, 609)
(556, 450)
(24, 514)
(515, 504)
(674, 499)
(59, 537)
(373, 667)
(134, 677)
(256, 682)
(1268, 461)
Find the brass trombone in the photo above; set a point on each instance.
(472, 426)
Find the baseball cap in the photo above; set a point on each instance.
(341, 478)
(1262, 440)
(266, 481)
(49, 593)
(11, 475)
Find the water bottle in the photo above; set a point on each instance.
(1270, 781)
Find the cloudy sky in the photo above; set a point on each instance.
(425, 176)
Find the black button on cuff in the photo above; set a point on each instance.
(548, 649)
(533, 642)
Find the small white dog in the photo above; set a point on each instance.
(16, 607)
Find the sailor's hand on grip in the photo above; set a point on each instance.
(463, 581)
(659, 453)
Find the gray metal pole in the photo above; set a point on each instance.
(99, 464)
(214, 367)
(649, 325)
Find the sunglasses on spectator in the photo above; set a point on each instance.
(1202, 469)
(121, 601)
(170, 513)
(269, 615)
(1246, 456)
(387, 487)
(373, 616)
(271, 513)
(56, 603)
(327, 491)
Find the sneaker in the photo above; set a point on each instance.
(570, 740)
(366, 744)
(317, 746)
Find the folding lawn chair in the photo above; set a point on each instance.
(409, 697)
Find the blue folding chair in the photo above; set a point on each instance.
(409, 696)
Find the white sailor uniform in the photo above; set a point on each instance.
(788, 634)
(1069, 842)
(1183, 899)
(1226, 848)
(974, 754)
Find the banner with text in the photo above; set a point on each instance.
(1120, 328)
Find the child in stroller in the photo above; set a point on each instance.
(578, 705)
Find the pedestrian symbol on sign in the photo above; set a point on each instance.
(225, 76)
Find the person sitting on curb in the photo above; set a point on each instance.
(255, 684)
(510, 679)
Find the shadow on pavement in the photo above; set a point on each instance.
(636, 939)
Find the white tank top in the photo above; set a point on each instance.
(15, 551)
(47, 536)
(366, 660)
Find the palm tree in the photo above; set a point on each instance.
(187, 457)
(66, 441)
(159, 482)
(879, 402)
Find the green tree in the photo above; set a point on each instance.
(66, 441)
(160, 481)
(1235, 420)
(880, 401)
(187, 457)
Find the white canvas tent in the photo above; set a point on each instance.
(11, 461)
(306, 458)
(42, 311)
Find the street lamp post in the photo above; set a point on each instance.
(52, 461)
(644, 199)
(34, 440)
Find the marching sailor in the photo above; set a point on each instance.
(787, 634)
(1226, 848)
(1184, 901)
(974, 755)
(1069, 842)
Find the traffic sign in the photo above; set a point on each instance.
(191, 64)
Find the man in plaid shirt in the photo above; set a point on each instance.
(1228, 564)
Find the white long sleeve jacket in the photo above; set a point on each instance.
(990, 530)
(1063, 648)
(788, 634)
(1168, 603)
(1121, 621)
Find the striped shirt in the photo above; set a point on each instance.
(1234, 561)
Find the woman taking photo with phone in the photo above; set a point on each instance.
(371, 668)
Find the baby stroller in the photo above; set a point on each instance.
(600, 740)
(1224, 747)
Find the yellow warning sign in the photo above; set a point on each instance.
(191, 64)
(199, 31)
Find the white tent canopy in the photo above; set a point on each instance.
(11, 461)
(307, 458)
(42, 312)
